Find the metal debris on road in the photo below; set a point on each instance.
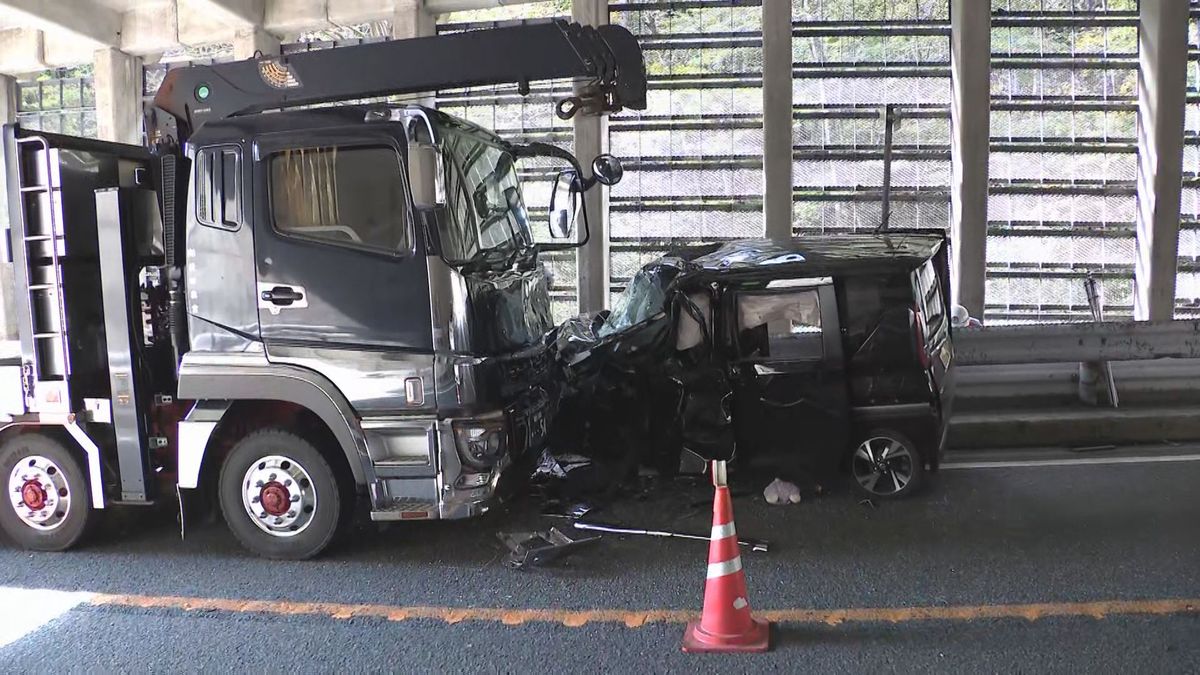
(760, 545)
(534, 549)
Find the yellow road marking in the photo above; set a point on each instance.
(637, 618)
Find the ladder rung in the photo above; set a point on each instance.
(41, 237)
(43, 336)
(35, 188)
(41, 287)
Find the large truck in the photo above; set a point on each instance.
(287, 307)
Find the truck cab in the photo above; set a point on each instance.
(319, 255)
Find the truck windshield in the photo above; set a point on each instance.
(487, 211)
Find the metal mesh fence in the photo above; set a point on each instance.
(522, 119)
(693, 158)
(1187, 278)
(1063, 168)
(60, 101)
(849, 59)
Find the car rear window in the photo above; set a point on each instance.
(933, 310)
(865, 301)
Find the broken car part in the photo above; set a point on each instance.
(754, 544)
(533, 549)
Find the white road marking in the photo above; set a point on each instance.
(1075, 461)
(28, 609)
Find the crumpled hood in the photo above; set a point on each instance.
(510, 310)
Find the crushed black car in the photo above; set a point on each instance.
(821, 356)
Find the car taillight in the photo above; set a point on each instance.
(919, 330)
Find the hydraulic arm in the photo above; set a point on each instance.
(608, 57)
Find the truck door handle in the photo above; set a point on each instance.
(282, 295)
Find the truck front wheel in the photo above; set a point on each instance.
(280, 497)
(46, 505)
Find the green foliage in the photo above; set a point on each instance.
(534, 10)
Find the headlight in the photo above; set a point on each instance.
(481, 442)
(469, 481)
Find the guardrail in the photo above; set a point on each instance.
(1057, 343)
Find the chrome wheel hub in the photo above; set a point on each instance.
(882, 465)
(38, 491)
(279, 496)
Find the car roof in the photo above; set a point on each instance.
(814, 255)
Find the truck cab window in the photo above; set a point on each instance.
(219, 187)
(780, 326)
(353, 196)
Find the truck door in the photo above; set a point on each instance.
(791, 399)
(342, 280)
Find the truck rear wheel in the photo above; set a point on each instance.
(280, 497)
(47, 505)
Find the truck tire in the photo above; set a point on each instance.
(48, 500)
(885, 464)
(280, 497)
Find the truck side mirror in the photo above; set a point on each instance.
(424, 178)
(564, 204)
(607, 170)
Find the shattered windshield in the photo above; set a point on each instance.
(644, 297)
(487, 210)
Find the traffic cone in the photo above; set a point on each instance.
(726, 624)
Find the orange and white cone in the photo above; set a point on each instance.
(726, 624)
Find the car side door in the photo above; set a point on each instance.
(791, 389)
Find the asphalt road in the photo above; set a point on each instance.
(980, 541)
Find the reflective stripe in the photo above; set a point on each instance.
(722, 531)
(725, 568)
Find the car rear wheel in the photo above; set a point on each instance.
(885, 464)
(47, 505)
(280, 497)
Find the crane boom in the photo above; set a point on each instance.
(608, 57)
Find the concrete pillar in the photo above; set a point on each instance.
(118, 78)
(252, 42)
(970, 129)
(777, 119)
(8, 115)
(8, 308)
(8, 99)
(1162, 99)
(411, 20)
(591, 139)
